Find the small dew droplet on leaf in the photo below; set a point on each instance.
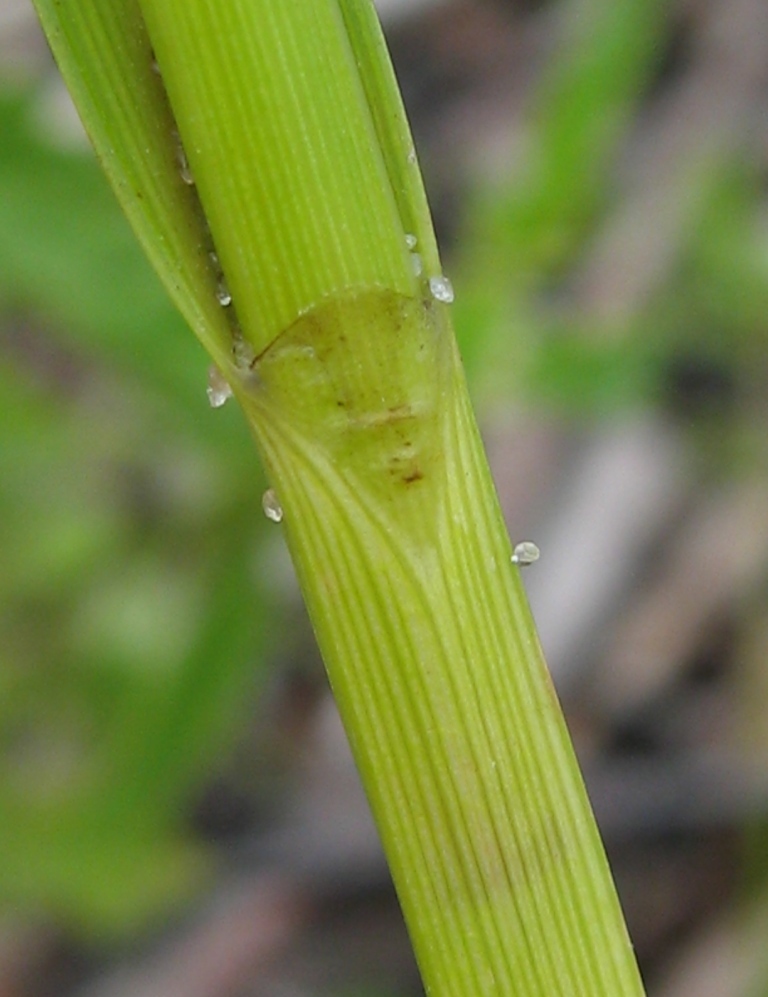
(441, 289)
(218, 390)
(525, 553)
(272, 508)
(223, 295)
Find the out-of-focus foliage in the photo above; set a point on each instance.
(130, 614)
(528, 325)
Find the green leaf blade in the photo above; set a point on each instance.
(106, 58)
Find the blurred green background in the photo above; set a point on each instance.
(598, 170)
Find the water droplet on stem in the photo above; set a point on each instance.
(272, 508)
(223, 294)
(218, 390)
(184, 171)
(242, 352)
(526, 552)
(441, 289)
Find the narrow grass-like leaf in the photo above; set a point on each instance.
(391, 124)
(365, 427)
(105, 56)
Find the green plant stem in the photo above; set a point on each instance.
(362, 417)
(315, 215)
(306, 189)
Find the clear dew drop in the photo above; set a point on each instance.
(223, 294)
(412, 156)
(410, 240)
(184, 171)
(218, 390)
(525, 553)
(417, 264)
(441, 289)
(272, 508)
(242, 352)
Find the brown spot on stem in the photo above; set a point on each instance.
(415, 475)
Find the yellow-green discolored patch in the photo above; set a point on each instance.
(363, 380)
